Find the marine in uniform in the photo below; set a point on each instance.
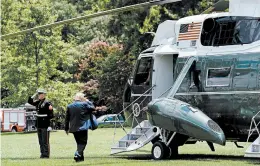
(44, 114)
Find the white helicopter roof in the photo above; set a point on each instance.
(244, 8)
(169, 41)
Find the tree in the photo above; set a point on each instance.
(110, 67)
(37, 59)
(116, 69)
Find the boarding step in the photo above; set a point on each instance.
(142, 130)
(136, 138)
(254, 149)
(125, 143)
(133, 136)
(119, 148)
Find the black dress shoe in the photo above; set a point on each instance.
(82, 158)
(78, 158)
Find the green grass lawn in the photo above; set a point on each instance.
(23, 149)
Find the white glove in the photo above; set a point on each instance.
(49, 129)
(35, 96)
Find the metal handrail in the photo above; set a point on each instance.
(250, 132)
(140, 103)
(122, 124)
(136, 99)
(165, 92)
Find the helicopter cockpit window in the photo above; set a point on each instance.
(230, 31)
(143, 71)
(218, 77)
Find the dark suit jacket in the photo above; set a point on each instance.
(77, 114)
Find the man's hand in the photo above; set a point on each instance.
(104, 108)
(50, 107)
(101, 108)
(67, 132)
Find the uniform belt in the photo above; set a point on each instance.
(42, 115)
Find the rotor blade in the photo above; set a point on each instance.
(102, 13)
(220, 6)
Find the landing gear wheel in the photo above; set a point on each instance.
(159, 150)
(173, 152)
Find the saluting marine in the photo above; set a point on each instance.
(44, 114)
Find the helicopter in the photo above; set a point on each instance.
(199, 80)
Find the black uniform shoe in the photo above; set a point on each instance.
(44, 157)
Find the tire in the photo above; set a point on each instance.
(159, 151)
(173, 152)
(13, 130)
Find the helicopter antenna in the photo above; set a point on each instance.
(152, 33)
(98, 14)
(220, 6)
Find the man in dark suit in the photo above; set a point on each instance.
(44, 114)
(77, 122)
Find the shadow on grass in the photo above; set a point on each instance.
(201, 157)
(17, 133)
(21, 133)
(148, 157)
(103, 163)
(98, 159)
(51, 158)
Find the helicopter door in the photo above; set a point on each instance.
(143, 72)
(142, 80)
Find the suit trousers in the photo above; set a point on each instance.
(44, 136)
(81, 138)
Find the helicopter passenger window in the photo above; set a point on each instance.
(228, 30)
(143, 71)
(218, 76)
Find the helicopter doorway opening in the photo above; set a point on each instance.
(139, 88)
(152, 78)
